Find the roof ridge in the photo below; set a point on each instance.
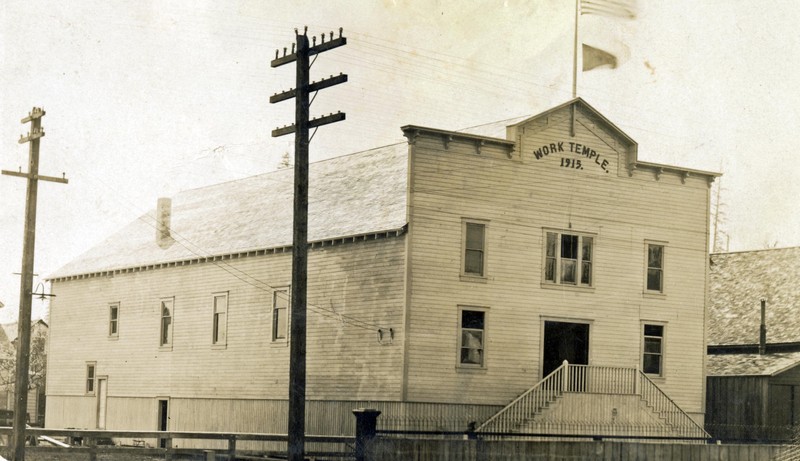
(754, 251)
(281, 170)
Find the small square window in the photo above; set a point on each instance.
(653, 349)
(472, 338)
(113, 320)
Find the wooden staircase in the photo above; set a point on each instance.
(592, 400)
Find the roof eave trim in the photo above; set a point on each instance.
(333, 241)
(677, 169)
(411, 131)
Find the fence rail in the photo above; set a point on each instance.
(90, 438)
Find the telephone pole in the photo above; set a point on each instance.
(26, 279)
(297, 333)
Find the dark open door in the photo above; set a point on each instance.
(565, 341)
(163, 419)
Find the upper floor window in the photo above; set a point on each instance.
(165, 338)
(113, 320)
(219, 321)
(280, 314)
(568, 258)
(653, 349)
(474, 244)
(655, 267)
(472, 337)
(90, 376)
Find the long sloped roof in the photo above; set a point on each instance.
(738, 281)
(751, 364)
(351, 195)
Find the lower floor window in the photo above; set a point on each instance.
(472, 338)
(653, 354)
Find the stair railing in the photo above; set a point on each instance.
(528, 404)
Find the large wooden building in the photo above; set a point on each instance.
(447, 276)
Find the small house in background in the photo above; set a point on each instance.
(38, 369)
(448, 276)
(6, 363)
(753, 363)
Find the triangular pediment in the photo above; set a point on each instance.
(574, 136)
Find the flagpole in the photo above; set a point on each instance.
(575, 53)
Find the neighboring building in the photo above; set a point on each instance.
(754, 384)
(447, 276)
(37, 367)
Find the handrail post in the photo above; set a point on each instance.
(565, 378)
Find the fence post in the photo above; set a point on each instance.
(232, 448)
(92, 445)
(366, 426)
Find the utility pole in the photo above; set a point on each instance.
(26, 279)
(297, 333)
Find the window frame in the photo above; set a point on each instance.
(162, 343)
(647, 245)
(90, 378)
(579, 259)
(472, 276)
(460, 365)
(113, 320)
(662, 349)
(219, 329)
(275, 339)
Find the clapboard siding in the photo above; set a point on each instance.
(519, 197)
(361, 280)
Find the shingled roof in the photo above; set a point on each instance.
(352, 195)
(751, 364)
(738, 281)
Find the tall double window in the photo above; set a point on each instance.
(472, 338)
(653, 349)
(474, 248)
(91, 372)
(165, 336)
(219, 319)
(280, 314)
(113, 320)
(655, 267)
(568, 258)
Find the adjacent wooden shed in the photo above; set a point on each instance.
(753, 397)
(753, 380)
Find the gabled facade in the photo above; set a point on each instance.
(447, 275)
(754, 380)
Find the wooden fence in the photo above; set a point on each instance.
(395, 449)
(90, 443)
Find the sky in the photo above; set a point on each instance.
(144, 99)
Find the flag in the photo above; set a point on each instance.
(595, 57)
(614, 8)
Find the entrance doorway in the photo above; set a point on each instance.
(564, 341)
(102, 399)
(163, 419)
